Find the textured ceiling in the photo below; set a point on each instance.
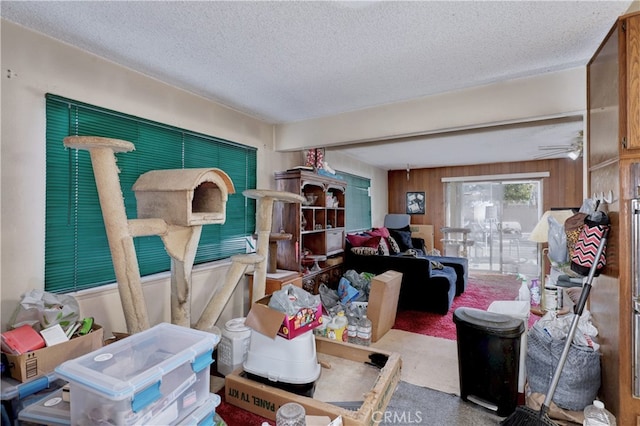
(288, 61)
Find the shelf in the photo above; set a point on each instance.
(328, 213)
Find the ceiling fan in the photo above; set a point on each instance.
(573, 151)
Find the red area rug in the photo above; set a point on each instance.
(482, 289)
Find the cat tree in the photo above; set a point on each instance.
(173, 204)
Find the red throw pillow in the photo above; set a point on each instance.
(363, 241)
(383, 232)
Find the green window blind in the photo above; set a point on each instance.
(357, 202)
(77, 254)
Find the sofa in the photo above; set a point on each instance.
(429, 283)
(426, 286)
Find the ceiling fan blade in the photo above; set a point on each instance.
(549, 154)
(556, 147)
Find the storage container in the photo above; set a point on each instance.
(488, 358)
(204, 414)
(134, 380)
(233, 347)
(282, 360)
(50, 410)
(17, 397)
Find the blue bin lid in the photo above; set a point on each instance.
(489, 322)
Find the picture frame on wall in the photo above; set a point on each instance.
(416, 202)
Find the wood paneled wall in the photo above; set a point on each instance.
(562, 188)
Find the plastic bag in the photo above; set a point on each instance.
(557, 242)
(290, 299)
(328, 296)
(346, 292)
(361, 282)
(558, 328)
(41, 309)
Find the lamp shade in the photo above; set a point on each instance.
(540, 233)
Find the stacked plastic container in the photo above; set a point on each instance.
(157, 376)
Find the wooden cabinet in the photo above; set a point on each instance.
(277, 280)
(613, 120)
(630, 82)
(317, 226)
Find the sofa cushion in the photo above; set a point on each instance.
(402, 237)
(386, 247)
(364, 251)
(394, 248)
(383, 248)
(363, 240)
(383, 232)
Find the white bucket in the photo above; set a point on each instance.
(233, 346)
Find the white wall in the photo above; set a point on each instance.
(41, 65)
(550, 95)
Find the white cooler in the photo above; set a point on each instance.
(521, 310)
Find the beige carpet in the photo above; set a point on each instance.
(430, 362)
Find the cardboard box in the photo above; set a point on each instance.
(265, 400)
(425, 232)
(383, 303)
(42, 361)
(271, 322)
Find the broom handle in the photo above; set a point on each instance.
(584, 295)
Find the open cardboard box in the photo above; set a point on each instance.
(383, 303)
(265, 400)
(26, 366)
(271, 322)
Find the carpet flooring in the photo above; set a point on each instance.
(482, 289)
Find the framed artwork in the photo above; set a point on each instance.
(415, 203)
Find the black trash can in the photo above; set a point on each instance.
(488, 358)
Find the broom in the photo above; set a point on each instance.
(525, 416)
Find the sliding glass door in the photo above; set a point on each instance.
(500, 215)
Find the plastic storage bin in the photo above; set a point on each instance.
(16, 395)
(521, 310)
(204, 414)
(52, 410)
(488, 358)
(134, 380)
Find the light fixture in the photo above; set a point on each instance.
(573, 151)
(577, 146)
(408, 170)
(575, 154)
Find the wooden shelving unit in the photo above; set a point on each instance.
(318, 228)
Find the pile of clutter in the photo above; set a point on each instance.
(50, 329)
(346, 309)
(581, 374)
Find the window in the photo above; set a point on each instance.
(77, 254)
(357, 202)
(499, 214)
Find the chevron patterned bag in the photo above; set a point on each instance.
(585, 249)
